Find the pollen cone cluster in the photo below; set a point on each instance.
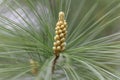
(60, 31)
(34, 66)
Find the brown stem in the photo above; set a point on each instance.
(54, 63)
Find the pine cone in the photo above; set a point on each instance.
(60, 31)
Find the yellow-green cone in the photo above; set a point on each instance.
(60, 37)
(34, 67)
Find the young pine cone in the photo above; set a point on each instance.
(60, 37)
(34, 66)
